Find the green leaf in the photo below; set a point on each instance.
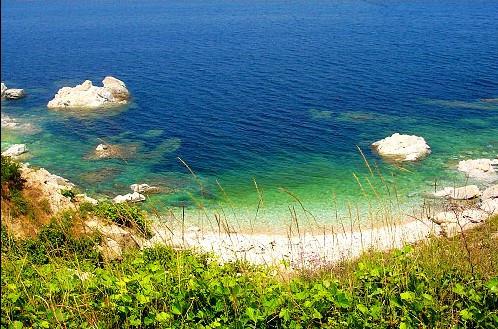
(342, 300)
(362, 308)
(284, 314)
(16, 325)
(466, 314)
(459, 289)
(175, 309)
(163, 317)
(407, 295)
(316, 314)
(493, 285)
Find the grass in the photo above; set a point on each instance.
(433, 284)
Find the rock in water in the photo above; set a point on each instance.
(86, 95)
(143, 188)
(460, 193)
(11, 93)
(485, 169)
(101, 147)
(14, 93)
(15, 150)
(131, 197)
(402, 147)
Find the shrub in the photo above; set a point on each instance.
(11, 175)
(68, 194)
(123, 214)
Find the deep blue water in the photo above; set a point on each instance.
(278, 91)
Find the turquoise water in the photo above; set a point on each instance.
(274, 95)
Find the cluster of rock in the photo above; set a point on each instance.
(400, 147)
(482, 169)
(136, 195)
(11, 93)
(86, 95)
(461, 218)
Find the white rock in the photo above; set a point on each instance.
(15, 150)
(459, 193)
(86, 95)
(111, 250)
(101, 147)
(484, 169)
(130, 197)
(474, 215)
(402, 147)
(120, 235)
(143, 188)
(14, 93)
(445, 217)
(4, 88)
(81, 198)
(49, 186)
(490, 206)
(490, 193)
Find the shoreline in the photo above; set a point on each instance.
(301, 248)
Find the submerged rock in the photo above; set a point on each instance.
(484, 169)
(402, 147)
(106, 151)
(460, 193)
(86, 95)
(15, 150)
(130, 197)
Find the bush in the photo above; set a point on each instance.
(11, 175)
(68, 194)
(123, 214)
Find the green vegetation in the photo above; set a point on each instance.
(55, 281)
(68, 194)
(11, 176)
(123, 214)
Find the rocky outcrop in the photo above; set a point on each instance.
(15, 150)
(50, 187)
(459, 193)
(130, 197)
(461, 218)
(86, 95)
(484, 169)
(11, 93)
(143, 188)
(402, 147)
(116, 239)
